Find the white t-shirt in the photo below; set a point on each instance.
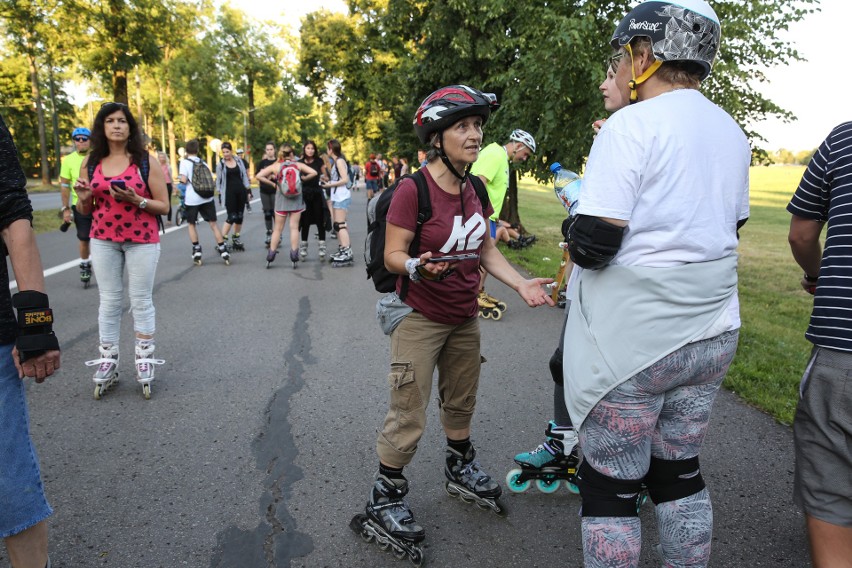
(340, 192)
(185, 169)
(676, 167)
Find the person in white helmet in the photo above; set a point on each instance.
(492, 167)
(654, 319)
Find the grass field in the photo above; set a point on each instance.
(772, 351)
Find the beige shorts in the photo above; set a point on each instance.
(418, 346)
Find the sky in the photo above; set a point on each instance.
(806, 89)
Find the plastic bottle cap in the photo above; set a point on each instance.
(555, 167)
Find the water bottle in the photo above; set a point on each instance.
(567, 186)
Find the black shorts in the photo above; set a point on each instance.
(206, 209)
(83, 224)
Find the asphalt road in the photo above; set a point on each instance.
(46, 200)
(257, 446)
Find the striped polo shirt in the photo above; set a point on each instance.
(825, 195)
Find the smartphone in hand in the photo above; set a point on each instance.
(454, 257)
(117, 186)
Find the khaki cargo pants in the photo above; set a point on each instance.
(418, 345)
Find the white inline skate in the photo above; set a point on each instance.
(106, 375)
(145, 366)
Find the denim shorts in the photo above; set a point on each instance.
(342, 204)
(22, 500)
(822, 428)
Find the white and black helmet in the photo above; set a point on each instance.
(523, 137)
(688, 30)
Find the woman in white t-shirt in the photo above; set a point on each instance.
(654, 320)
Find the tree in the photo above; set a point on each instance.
(543, 59)
(122, 35)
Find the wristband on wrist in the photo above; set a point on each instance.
(810, 279)
(411, 267)
(35, 324)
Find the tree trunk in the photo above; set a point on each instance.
(42, 134)
(119, 86)
(510, 209)
(57, 152)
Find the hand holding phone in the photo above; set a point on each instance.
(118, 188)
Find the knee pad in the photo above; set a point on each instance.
(339, 226)
(238, 219)
(670, 480)
(231, 218)
(556, 367)
(605, 496)
(268, 214)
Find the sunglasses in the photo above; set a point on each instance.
(81, 139)
(613, 60)
(122, 105)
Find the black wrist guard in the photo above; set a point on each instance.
(35, 324)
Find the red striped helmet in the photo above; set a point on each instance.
(445, 106)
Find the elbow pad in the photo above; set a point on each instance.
(593, 242)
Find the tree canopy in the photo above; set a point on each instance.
(191, 71)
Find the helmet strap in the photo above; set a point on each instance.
(636, 81)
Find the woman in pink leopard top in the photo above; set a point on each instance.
(124, 190)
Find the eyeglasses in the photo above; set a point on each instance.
(81, 139)
(613, 60)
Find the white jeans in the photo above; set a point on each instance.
(108, 262)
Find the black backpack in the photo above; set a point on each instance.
(377, 213)
(144, 170)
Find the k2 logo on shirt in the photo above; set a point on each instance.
(465, 236)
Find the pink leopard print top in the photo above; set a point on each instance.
(118, 221)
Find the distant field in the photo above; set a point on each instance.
(772, 352)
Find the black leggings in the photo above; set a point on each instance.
(313, 213)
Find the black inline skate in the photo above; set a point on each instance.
(86, 272)
(389, 522)
(268, 237)
(222, 249)
(467, 481)
(270, 257)
(294, 257)
(555, 460)
(236, 243)
(196, 255)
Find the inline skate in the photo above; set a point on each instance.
(487, 309)
(294, 257)
(489, 298)
(554, 460)
(270, 257)
(268, 239)
(342, 258)
(106, 375)
(145, 365)
(303, 249)
(196, 255)
(389, 522)
(467, 481)
(222, 249)
(86, 272)
(322, 251)
(236, 243)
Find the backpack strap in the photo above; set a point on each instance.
(424, 213)
(481, 191)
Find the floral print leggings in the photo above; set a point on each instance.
(663, 411)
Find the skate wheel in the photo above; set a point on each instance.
(572, 487)
(98, 392)
(228, 262)
(357, 525)
(496, 314)
(146, 391)
(416, 557)
(513, 483)
(499, 508)
(502, 306)
(451, 491)
(547, 486)
(488, 314)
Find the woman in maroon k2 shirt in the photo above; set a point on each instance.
(442, 329)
